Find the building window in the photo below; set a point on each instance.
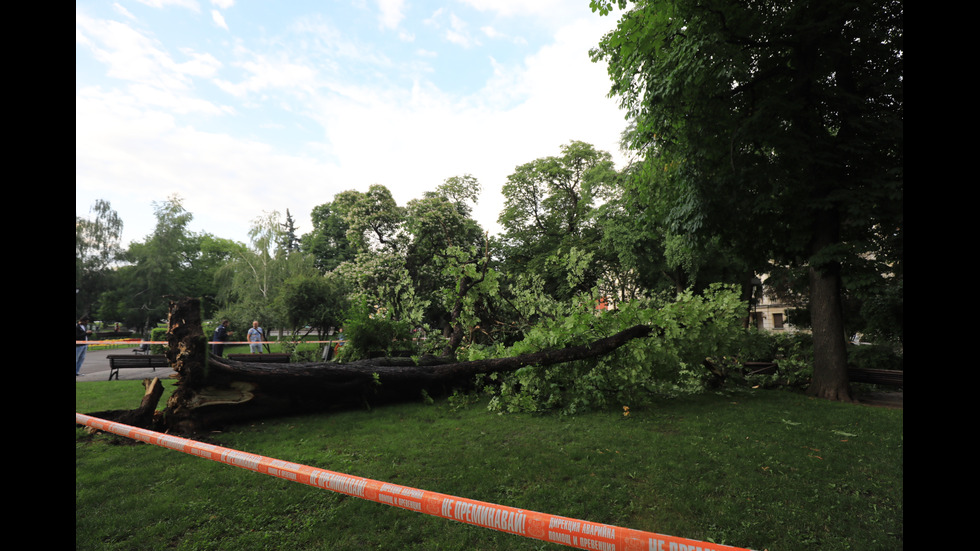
(777, 321)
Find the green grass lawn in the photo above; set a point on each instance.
(761, 469)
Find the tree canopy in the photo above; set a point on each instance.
(97, 246)
(782, 127)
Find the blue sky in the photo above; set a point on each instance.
(243, 108)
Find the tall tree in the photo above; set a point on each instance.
(434, 223)
(158, 267)
(327, 242)
(549, 209)
(373, 217)
(290, 241)
(97, 246)
(783, 124)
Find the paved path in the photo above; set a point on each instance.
(96, 367)
(886, 399)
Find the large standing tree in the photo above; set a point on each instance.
(327, 242)
(373, 217)
(549, 211)
(160, 266)
(782, 123)
(97, 246)
(439, 228)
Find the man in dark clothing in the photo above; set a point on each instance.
(220, 336)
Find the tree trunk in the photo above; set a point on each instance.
(827, 318)
(214, 391)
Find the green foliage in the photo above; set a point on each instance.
(172, 261)
(158, 334)
(381, 278)
(252, 282)
(792, 352)
(550, 209)
(883, 312)
(875, 357)
(373, 218)
(687, 330)
(438, 221)
(370, 331)
(757, 346)
(328, 241)
(97, 245)
(781, 126)
(313, 300)
(765, 346)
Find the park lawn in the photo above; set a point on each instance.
(756, 469)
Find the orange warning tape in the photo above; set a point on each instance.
(562, 530)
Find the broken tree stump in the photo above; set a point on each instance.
(145, 415)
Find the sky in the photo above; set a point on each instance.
(245, 108)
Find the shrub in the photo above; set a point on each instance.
(758, 346)
(370, 332)
(874, 357)
(158, 334)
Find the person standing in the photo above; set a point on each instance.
(81, 334)
(255, 337)
(220, 337)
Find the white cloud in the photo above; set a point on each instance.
(188, 4)
(271, 73)
(511, 8)
(219, 19)
(459, 33)
(134, 57)
(123, 11)
(149, 74)
(136, 139)
(391, 13)
(454, 29)
(143, 155)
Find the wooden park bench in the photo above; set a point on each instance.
(887, 377)
(261, 358)
(759, 368)
(127, 361)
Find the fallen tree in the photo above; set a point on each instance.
(213, 391)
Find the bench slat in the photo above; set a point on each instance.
(127, 361)
(876, 376)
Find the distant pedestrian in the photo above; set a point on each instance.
(81, 334)
(340, 341)
(220, 337)
(255, 337)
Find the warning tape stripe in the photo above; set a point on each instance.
(556, 529)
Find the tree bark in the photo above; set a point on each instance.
(214, 391)
(144, 415)
(827, 318)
